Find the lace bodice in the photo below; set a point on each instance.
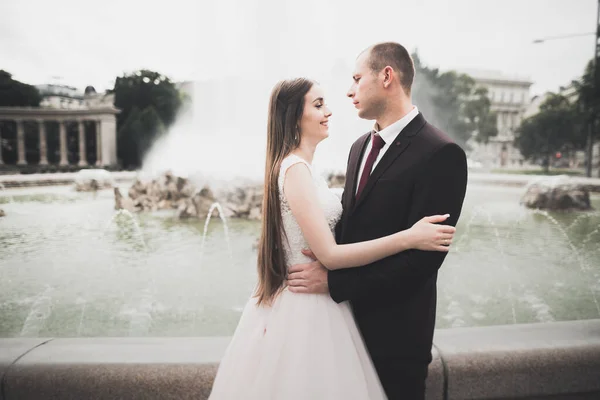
(332, 209)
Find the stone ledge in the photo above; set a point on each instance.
(516, 180)
(11, 350)
(52, 179)
(557, 361)
(113, 368)
(435, 377)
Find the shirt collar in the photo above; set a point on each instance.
(389, 134)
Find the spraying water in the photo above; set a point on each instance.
(38, 313)
(218, 207)
(10, 198)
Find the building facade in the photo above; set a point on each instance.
(68, 128)
(509, 96)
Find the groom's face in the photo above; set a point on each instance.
(365, 90)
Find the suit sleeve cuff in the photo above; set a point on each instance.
(337, 286)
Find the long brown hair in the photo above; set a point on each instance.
(285, 111)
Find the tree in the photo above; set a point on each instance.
(482, 120)
(138, 133)
(17, 94)
(453, 103)
(588, 104)
(128, 137)
(588, 99)
(549, 131)
(159, 101)
(14, 94)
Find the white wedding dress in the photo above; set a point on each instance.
(304, 346)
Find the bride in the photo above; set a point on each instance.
(305, 346)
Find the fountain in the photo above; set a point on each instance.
(127, 215)
(215, 206)
(585, 269)
(174, 192)
(92, 180)
(10, 199)
(166, 273)
(38, 313)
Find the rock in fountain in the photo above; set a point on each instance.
(172, 192)
(91, 180)
(2, 213)
(336, 180)
(244, 202)
(557, 194)
(198, 205)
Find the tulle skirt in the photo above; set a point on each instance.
(303, 346)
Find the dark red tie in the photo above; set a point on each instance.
(378, 143)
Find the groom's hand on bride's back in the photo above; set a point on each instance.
(308, 278)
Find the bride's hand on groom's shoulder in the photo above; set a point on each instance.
(309, 277)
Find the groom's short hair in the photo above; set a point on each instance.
(396, 56)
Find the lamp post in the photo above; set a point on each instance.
(596, 86)
(542, 40)
(596, 89)
(595, 83)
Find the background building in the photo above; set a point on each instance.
(69, 129)
(509, 95)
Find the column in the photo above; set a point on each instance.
(64, 160)
(21, 143)
(82, 155)
(109, 139)
(98, 143)
(43, 143)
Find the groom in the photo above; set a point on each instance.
(402, 171)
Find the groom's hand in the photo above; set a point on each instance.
(308, 278)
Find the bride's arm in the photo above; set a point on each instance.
(302, 198)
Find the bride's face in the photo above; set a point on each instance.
(314, 124)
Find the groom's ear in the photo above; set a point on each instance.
(388, 76)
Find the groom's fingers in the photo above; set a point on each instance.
(296, 283)
(295, 275)
(298, 289)
(297, 268)
(309, 253)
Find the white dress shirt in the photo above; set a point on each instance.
(388, 135)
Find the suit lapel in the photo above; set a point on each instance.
(354, 166)
(399, 145)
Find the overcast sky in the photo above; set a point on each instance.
(92, 42)
(242, 47)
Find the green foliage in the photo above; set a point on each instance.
(452, 102)
(138, 133)
(482, 120)
(17, 94)
(149, 102)
(588, 99)
(551, 130)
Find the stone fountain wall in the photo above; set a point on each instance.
(558, 361)
(170, 192)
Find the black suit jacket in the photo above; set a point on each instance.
(394, 300)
